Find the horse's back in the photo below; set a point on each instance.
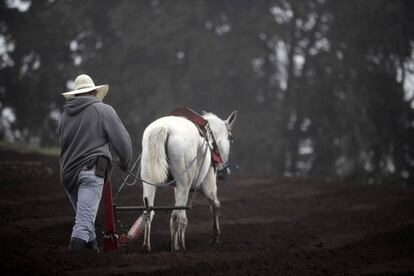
(166, 142)
(175, 126)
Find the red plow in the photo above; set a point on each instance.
(112, 241)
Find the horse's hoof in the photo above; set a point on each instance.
(146, 248)
(176, 248)
(214, 241)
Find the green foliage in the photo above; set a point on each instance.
(25, 148)
(319, 84)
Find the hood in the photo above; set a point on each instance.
(76, 104)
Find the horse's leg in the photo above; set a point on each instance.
(178, 221)
(149, 193)
(209, 190)
(215, 211)
(174, 230)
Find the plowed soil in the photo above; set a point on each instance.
(269, 227)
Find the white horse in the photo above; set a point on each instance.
(170, 146)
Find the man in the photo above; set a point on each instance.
(87, 131)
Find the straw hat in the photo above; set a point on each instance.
(84, 84)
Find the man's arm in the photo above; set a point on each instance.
(117, 135)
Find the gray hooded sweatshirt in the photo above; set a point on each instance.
(89, 128)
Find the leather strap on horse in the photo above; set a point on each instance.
(203, 128)
(190, 115)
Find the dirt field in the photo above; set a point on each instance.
(268, 227)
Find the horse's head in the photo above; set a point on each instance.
(222, 133)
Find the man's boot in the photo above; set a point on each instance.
(93, 245)
(77, 244)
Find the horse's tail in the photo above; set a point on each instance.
(154, 163)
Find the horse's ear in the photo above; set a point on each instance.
(231, 119)
(203, 112)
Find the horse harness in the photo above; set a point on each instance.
(204, 130)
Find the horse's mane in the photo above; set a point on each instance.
(214, 120)
(209, 115)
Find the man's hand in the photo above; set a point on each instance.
(123, 167)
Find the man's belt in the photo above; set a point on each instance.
(100, 163)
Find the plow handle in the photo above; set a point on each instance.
(146, 205)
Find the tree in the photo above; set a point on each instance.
(319, 84)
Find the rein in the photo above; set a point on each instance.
(136, 177)
(215, 159)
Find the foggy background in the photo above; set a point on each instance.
(324, 88)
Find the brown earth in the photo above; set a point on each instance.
(269, 226)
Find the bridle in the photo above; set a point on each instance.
(228, 164)
(229, 135)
